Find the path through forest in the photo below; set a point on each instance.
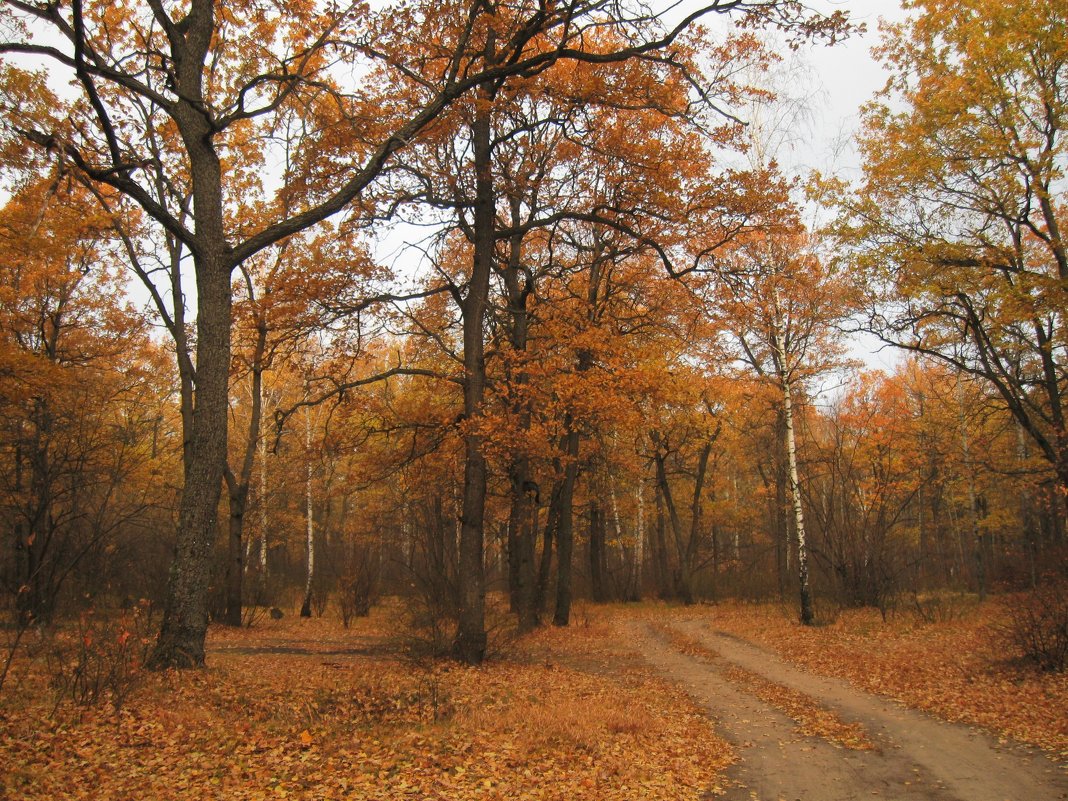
(915, 756)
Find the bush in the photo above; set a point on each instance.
(103, 658)
(943, 607)
(359, 588)
(1038, 626)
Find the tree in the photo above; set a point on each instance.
(176, 108)
(958, 224)
(782, 303)
(74, 370)
(469, 168)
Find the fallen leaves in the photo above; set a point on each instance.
(317, 712)
(960, 670)
(813, 719)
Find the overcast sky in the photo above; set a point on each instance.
(844, 77)
(840, 78)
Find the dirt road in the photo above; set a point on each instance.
(915, 756)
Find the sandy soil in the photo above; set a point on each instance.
(916, 756)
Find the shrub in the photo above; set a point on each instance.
(943, 607)
(103, 658)
(1038, 626)
(359, 587)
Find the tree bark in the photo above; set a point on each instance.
(523, 514)
(597, 553)
(470, 643)
(541, 588)
(565, 527)
(309, 519)
(185, 615)
(807, 615)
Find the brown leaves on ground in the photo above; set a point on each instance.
(812, 718)
(962, 669)
(305, 709)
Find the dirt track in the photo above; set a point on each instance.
(916, 756)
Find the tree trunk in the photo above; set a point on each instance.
(541, 588)
(523, 515)
(635, 593)
(264, 516)
(807, 615)
(471, 632)
(238, 486)
(597, 554)
(696, 515)
(977, 538)
(780, 523)
(235, 556)
(681, 585)
(660, 557)
(522, 524)
(185, 615)
(309, 519)
(565, 540)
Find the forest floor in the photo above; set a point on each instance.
(645, 702)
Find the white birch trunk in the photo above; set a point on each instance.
(795, 485)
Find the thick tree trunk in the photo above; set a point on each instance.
(185, 615)
(471, 632)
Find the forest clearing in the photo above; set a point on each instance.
(621, 705)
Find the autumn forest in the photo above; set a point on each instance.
(347, 348)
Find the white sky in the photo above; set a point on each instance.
(841, 78)
(845, 76)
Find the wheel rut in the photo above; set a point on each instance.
(898, 753)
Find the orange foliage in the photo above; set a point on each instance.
(301, 709)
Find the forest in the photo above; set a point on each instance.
(345, 348)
